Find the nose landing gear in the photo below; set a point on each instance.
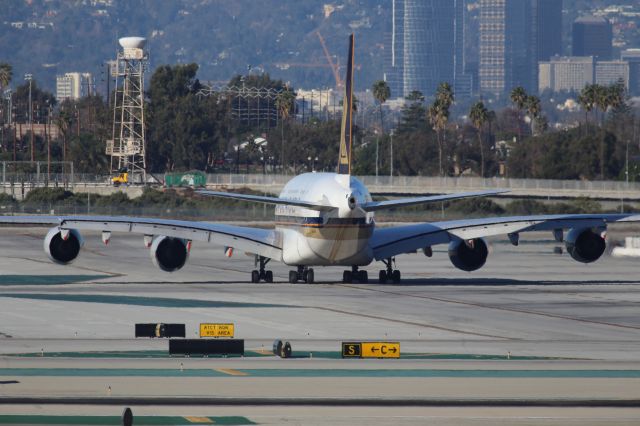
(261, 275)
(355, 275)
(302, 274)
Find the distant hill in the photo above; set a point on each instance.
(49, 37)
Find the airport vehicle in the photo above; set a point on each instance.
(121, 179)
(327, 219)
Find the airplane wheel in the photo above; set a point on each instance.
(395, 276)
(268, 276)
(293, 277)
(363, 277)
(382, 277)
(309, 276)
(347, 277)
(255, 276)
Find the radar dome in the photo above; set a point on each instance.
(132, 42)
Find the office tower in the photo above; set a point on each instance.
(592, 36)
(73, 85)
(463, 81)
(394, 53)
(612, 72)
(569, 74)
(508, 48)
(632, 57)
(548, 29)
(429, 44)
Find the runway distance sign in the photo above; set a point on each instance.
(216, 330)
(370, 350)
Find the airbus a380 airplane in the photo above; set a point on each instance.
(327, 219)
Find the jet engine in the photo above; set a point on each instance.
(168, 253)
(63, 246)
(585, 245)
(468, 255)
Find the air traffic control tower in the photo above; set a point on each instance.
(127, 145)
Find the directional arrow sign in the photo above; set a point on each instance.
(380, 350)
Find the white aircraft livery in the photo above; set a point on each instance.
(327, 219)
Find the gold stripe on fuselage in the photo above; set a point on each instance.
(330, 231)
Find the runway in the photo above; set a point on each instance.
(534, 338)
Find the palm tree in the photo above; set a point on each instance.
(6, 73)
(534, 109)
(438, 116)
(587, 100)
(479, 116)
(381, 93)
(284, 104)
(519, 98)
(601, 100)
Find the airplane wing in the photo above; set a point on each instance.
(268, 200)
(263, 242)
(392, 241)
(403, 202)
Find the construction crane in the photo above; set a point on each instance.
(334, 67)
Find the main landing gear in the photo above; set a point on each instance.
(390, 274)
(355, 275)
(261, 275)
(302, 274)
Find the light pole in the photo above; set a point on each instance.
(29, 78)
(391, 164)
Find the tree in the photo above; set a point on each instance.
(6, 73)
(438, 115)
(479, 116)
(519, 98)
(284, 102)
(534, 109)
(381, 93)
(587, 100)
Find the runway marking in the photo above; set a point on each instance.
(194, 419)
(232, 372)
(142, 301)
(417, 324)
(498, 308)
(327, 373)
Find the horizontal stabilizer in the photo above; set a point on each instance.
(268, 200)
(403, 202)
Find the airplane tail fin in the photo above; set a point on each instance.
(344, 161)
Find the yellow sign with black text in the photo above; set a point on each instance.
(370, 350)
(216, 330)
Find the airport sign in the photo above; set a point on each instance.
(370, 350)
(216, 330)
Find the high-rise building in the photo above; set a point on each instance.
(548, 28)
(569, 74)
(508, 48)
(632, 57)
(612, 72)
(73, 85)
(592, 36)
(426, 47)
(394, 53)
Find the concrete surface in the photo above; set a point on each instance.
(581, 321)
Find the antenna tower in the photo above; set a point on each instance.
(127, 145)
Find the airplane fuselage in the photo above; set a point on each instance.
(338, 236)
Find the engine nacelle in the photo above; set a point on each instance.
(168, 253)
(468, 255)
(60, 250)
(585, 245)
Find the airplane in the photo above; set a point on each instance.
(327, 219)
